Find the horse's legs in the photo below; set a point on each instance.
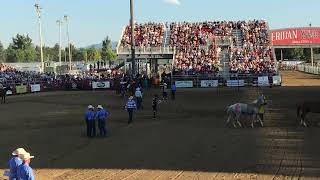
(252, 120)
(303, 119)
(260, 120)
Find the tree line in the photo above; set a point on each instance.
(22, 50)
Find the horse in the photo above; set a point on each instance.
(236, 110)
(307, 107)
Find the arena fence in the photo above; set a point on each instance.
(236, 80)
(308, 68)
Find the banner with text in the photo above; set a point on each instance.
(101, 85)
(21, 89)
(296, 36)
(276, 80)
(209, 83)
(35, 88)
(184, 84)
(263, 81)
(235, 83)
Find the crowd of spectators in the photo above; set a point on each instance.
(255, 55)
(146, 35)
(198, 45)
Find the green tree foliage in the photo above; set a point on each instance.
(2, 53)
(107, 54)
(21, 50)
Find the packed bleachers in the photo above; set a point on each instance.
(146, 35)
(198, 48)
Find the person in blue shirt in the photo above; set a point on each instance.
(24, 171)
(90, 121)
(14, 162)
(139, 96)
(173, 91)
(101, 116)
(131, 106)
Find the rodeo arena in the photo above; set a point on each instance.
(184, 100)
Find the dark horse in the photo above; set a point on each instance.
(305, 108)
(3, 94)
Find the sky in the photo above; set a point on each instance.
(92, 20)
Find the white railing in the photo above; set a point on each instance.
(119, 42)
(147, 50)
(308, 68)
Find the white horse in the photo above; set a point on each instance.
(237, 110)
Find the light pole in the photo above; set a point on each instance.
(59, 22)
(66, 18)
(133, 48)
(38, 10)
(311, 48)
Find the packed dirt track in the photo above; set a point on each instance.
(189, 139)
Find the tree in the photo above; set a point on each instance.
(2, 53)
(106, 52)
(21, 42)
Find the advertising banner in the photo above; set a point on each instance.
(276, 80)
(35, 88)
(263, 81)
(209, 83)
(184, 84)
(101, 85)
(296, 36)
(235, 83)
(21, 89)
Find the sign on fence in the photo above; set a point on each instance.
(209, 83)
(9, 92)
(276, 80)
(21, 89)
(235, 83)
(263, 81)
(101, 85)
(35, 88)
(184, 84)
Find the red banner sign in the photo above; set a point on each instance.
(296, 36)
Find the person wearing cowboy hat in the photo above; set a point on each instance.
(101, 116)
(15, 162)
(131, 106)
(90, 121)
(139, 96)
(24, 171)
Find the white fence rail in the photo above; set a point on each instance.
(308, 69)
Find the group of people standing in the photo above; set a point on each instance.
(91, 116)
(19, 165)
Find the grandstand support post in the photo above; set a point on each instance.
(38, 10)
(133, 49)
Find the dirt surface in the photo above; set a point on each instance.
(189, 140)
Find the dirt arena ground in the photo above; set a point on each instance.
(189, 140)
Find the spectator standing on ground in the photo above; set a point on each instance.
(155, 102)
(139, 97)
(131, 106)
(164, 91)
(102, 115)
(15, 162)
(89, 117)
(24, 171)
(173, 91)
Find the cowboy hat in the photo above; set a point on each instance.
(19, 151)
(26, 156)
(90, 107)
(100, 107)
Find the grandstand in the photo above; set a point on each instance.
(215, 48)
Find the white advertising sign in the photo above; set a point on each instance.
(209, 83)
(276, 80)
(235, 83)
(184, 84)
(263, 81)
(101, 85)
(35, 88)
